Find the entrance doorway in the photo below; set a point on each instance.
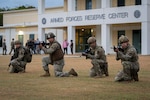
(82, 36)
(20, 38)
(136, 40)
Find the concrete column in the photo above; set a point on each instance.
(41, 34)
(145, 46)
(71, 5)
(105, 37)
(7, 37)
(145, 2)
(145, 38)
(105, 3)
(41, 10)
(41, 6)
(59, 35)
(71, 36)
(98, 35)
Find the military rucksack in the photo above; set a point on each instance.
(27, 55)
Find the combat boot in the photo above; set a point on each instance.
(47, 74)
(73, 72)
(136, 77)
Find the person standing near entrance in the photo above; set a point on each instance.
(55, 58)
(12, 46)
(129, 60)
(71, 46)
(4, 47)
(65, 46)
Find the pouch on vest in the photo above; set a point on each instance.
(27, 55)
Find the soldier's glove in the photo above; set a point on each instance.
(116, 49)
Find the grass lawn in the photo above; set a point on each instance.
(30, 86)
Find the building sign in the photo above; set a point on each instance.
(96, 16)
(87, 17)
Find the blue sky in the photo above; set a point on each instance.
(16, 3)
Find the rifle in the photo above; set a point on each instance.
(42, 43)
(86, 52)
(117, 47)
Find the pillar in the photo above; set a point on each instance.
(105, 37)
(98, 35)
(145, 38)
(71, 36)
(41, 10)
(71, 5)
(105, 3)
(145, 45)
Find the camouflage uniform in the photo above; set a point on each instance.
(4, 47)
(129, 61)
(98, 58)
(12, 46)
(56, 58)
(18, 63)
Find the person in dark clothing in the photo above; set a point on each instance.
(71, 46)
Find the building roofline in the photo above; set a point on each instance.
(26, 10)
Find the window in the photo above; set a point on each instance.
(1, 19)
(121, 3)
(1, 41)
(31, 36)
(137, 2)
(88, 4)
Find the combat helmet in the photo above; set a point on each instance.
(91, 40)
(50, 35)
(123, 39)
(17, 42)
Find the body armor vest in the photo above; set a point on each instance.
(58, 54)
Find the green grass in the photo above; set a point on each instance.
(29, 86)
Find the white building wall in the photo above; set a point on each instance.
(98, 34)
(103, 17)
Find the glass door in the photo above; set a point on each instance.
(20, 38)
(81, 39)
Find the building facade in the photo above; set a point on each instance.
(77, 20)
(21, 25)
(104, 19)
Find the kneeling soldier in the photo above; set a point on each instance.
(129, 60)
(97, 55)
(18, 62)
(56, 58)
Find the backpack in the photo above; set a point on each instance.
(27, 55)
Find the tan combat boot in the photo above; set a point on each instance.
(47, 74)
(73, 72)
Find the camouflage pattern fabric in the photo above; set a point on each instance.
(18, 64)
(97, 56)
(129, 61)
(58, 65)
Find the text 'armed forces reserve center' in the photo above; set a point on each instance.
(107, 20)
